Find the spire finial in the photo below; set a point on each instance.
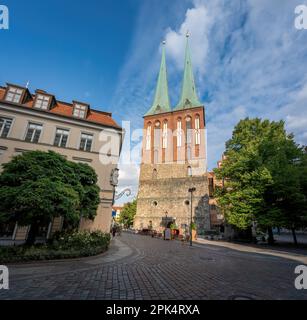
(188, 34)
(164, 42)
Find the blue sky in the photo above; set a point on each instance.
(249, 59)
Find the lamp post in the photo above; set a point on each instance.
(165, 223)
(191, 190)
(166, 218)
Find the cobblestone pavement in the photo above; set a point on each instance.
(140, 267)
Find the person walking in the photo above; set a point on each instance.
(114, 231)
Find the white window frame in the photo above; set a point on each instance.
(164, 135)
(61, 138)
(197, 130)
(179, 133)
(79, 111)
(40, 102)
(34, 131)
(188, 124)
(12, 93)
(148, 138)
(3, 126)
(85, 145)
(157, 135)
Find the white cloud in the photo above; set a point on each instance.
(248, 57)
(128, 179)
(197, 22)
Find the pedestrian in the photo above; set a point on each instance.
(114, 232)
(183, 238)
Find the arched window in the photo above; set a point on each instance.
(157, 134)
(179, 133)
(164, 137)
(197, 130)
(188, 122)
(148, 137)
(189, 171)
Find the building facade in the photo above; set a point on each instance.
(40, 122)
(174, 159)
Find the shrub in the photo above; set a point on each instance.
(72, 244)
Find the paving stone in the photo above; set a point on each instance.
(147, 268)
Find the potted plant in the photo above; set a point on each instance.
(174, 229)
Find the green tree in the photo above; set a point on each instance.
(127, 214)
(37, 186)
(263, 177)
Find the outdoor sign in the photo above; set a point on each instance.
(168, 234)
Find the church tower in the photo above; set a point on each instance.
(174, 158)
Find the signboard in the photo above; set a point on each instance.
(168, 234)
(113, 213)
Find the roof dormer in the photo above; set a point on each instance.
(43, 100)
(80, 109)
(16, 94)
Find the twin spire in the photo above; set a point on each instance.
(188, 99)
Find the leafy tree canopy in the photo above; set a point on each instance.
(37, 186)
(127, 214)
(264, 176)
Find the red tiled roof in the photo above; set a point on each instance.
(66, 109)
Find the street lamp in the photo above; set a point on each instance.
(191, 190)
(165, 223)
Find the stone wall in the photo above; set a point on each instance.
(166, 190)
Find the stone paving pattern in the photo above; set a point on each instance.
(141, 267)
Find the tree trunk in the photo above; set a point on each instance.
(271, 236)
(294, 236)
(32, 234)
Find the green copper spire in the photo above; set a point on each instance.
(161, 101)
(189, 98)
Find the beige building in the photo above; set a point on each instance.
(40, 122)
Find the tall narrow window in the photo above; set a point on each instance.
(179, 133)
(148, 138)
(42, 102)
(5, 125)
(157, 134)
(188, 130)
(157, 143)
(33, 133)
(164, 138)
(189, 171)
(61, 138)
(197, 130)
(14, 95)
(86, 142)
